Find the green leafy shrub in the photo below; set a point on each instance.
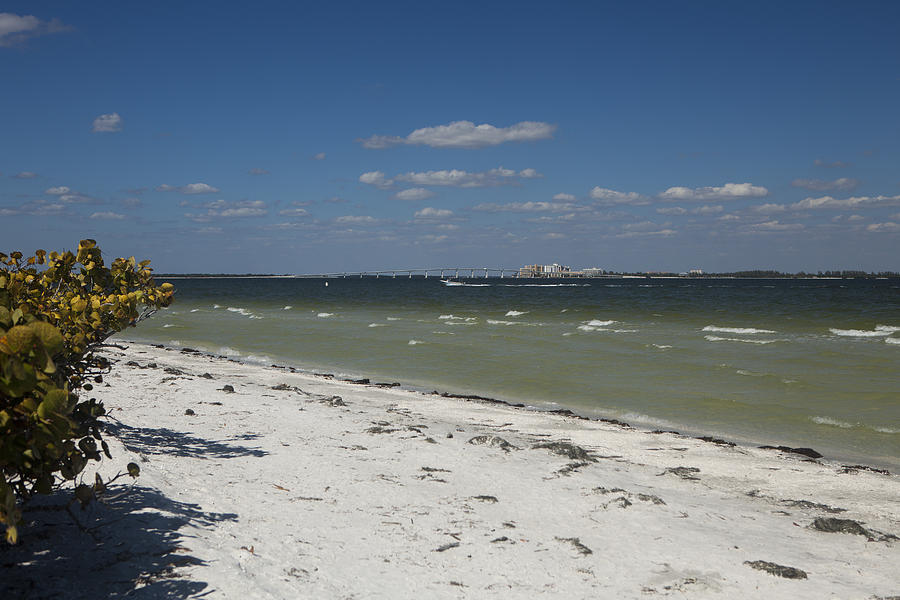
(55, 311)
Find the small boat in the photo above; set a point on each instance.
(451, 282)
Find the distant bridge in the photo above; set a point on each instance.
(442, 272)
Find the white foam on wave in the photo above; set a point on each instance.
(501, 322)
(661, 346)
(895, 341)
(288, 307)
(886, 430)
(567, 334)
(648, 420)
(715, 338)
(324, 315)
(392, 318)
(415, 342)
(888, 328)
(598, 323)
(831, 422)
(515, 313)
(591, 328)
(377, 325)
(167, 325)
(443, 332)
(195, 309)
(625, 330)
(242, 311)
(749, 373)
(216, 306)
(742, 330)
(859, 332)
(844, 425)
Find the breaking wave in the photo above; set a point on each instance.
(861, 332)
(748, 330)
(715, 338)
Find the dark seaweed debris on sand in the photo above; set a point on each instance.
(567, 449)
(576, 543)
(683, 472)
(804, 451)
(833, 525)
(492, 440)
(776, 569)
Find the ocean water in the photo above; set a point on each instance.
(784, 362)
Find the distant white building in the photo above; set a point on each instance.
(695, 272)
(554, 270)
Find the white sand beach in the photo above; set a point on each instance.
(303, 486)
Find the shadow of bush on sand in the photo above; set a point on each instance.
(127, 545)
(161, 440)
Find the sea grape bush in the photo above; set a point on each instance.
(55, 311)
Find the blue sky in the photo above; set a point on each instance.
(296, 138)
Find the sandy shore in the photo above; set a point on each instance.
(297, 486)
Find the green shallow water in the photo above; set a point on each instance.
(800, 363)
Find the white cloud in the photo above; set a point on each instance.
(776, 226)
(293, 212)
(25, 175)
(888, 227)
(221, 209)
(75, 198)
(319, 156)
(853, 202)
(608, 197)
(729, 191)
(132, 202)
(110, 123)
(191, 188)
(57, 191)
(413, 194)
(672, 210)
(554, 236)
(856, 218)
(108, 216)
(358, 220)
(15, 29)
(464, 134)
(768, 209)
(843, 184)
(258, 171)
(646, 229)
(529, 207)
(465, 179)
(434, 239)
(209, 230)
(564, 198)
(707, 210)
(433, 213)
(376, 178)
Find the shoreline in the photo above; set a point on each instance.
(293, 485)
(683, 430)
